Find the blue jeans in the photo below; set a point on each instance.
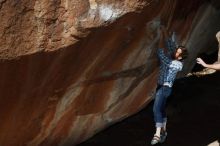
(160, 104)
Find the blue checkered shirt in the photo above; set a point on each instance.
(168, 67)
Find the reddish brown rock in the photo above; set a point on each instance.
(71, 68)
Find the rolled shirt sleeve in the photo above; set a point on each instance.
(171, 46)
(163, 58)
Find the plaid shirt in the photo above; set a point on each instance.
(168, 67)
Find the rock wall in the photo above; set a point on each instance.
(68, 69)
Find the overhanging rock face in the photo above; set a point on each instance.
(69, 68)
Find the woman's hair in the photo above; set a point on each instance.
(184, 53)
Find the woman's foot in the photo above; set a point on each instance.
(156, 139)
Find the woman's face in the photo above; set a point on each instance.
(178, 54)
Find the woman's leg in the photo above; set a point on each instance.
(157, 109)
(167, 92)
(158, 118)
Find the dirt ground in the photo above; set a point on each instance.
(193, 118)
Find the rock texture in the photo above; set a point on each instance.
(29, 27)
(69, 68)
